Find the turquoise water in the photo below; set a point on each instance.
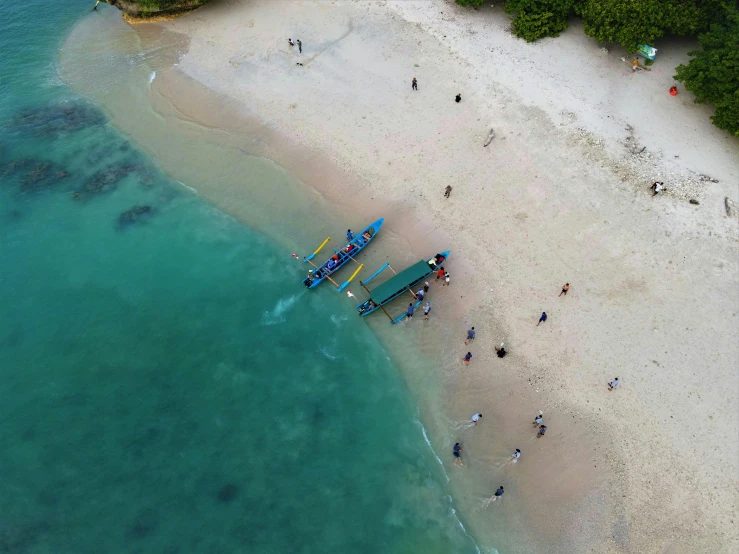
(167, 385)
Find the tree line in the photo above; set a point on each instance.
(712, 74)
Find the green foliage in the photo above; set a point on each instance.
(634, 22)
(713, 73)
(153, 7)
(714, 11)
(535, 19)
(469, 2)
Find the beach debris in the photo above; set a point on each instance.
(637, 165)
(491, 136)
(137, 213)
(707, 178)
(57, 118)
(730, 206)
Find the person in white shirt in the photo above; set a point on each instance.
(476, 418)
(516, 455)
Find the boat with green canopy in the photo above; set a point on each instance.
(401, 283)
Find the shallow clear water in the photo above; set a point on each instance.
(166, 383)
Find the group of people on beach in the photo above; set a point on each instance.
(541, 429)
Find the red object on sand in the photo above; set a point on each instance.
(673, 91)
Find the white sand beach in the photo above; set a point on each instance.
(561, 194)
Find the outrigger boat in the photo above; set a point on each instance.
(340, 257)
(402, 282)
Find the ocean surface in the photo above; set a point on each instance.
(166, 384)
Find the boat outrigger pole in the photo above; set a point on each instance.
(309, 258)
(346, 283)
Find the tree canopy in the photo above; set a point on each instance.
(630, 23)
(713, 73)
(535, 19)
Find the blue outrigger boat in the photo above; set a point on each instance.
(402, 282)
(340, 257)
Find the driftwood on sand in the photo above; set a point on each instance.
(491, 136)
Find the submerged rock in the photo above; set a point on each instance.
(228, 493)
(14, 167)
(35, 175)
(106, 179)
(58, 118)
(137, 213)
(43, 176)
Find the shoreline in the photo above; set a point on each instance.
(326, 168)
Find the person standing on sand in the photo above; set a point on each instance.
(457, 452)
(426, 310)
(470, 336)
(516, 455)
(538, 419)
(446, 278)
(467, 358)
(458, 98)
(657, 186)
(440, 273)
(414, 84)
(542, 318)
(419, 295)
(565, 288)
(426, 287)
(476, 418)
(498, 493)
(411, 309)
(447, 191)
(635, 65)
(613, 384)
(300, 46)
(542, 430)
(500, 351)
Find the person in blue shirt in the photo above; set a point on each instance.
(411, 310)
(542, 319)
(349, 235)
(470, 336)
(458, 454)
(498, 493)
(331, 264)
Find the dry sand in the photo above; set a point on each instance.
(561, 194)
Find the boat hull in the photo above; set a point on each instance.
(365, 309)
(359, 242)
